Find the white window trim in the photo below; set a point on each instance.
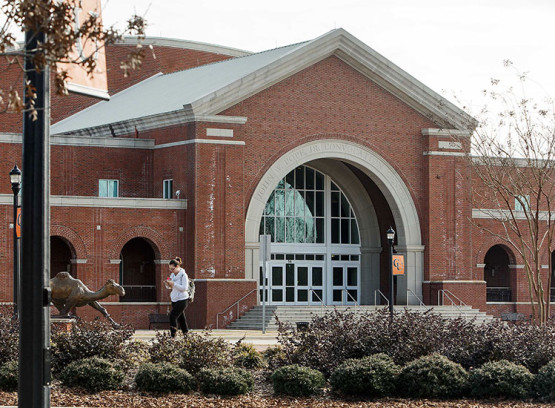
(109, 180)
(164, 189)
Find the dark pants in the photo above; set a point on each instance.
(177, 315)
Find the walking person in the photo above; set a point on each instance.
(178, 282)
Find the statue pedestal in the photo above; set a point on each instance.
(62, 323)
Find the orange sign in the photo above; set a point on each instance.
(18, 223)
(398, 262)
(79, 81)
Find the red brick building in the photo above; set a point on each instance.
(323, 145)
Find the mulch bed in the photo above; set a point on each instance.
(64, 397)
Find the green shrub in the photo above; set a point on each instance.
(163, 378)
(501, 379)
(297, 381)
(192, 353)
(433, 376)
(246, 356)
(9, 336)
(372, 376)
(544, 383)
(93, 374)
(225, 381)
(275, 357)
(88, 339)
(9, 374)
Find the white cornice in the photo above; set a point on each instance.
(434, 153)
(102, 202)
(445, 132)
(505, 215)
(185, 44)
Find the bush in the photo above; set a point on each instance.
(88, 339)
(433, 376)
(372, 376)
(93, 374)
(501, 379)
(192, 353)
(9, 336)
(225, 381)
(544, 383)
(297, 381)
(9, 374)
(246, 356)
(134, 354)
(163, 378)
(275, 357)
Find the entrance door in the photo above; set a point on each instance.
(345, 284)
(297, 283)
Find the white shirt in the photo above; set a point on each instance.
(180, 285)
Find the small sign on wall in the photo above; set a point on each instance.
(398, 262)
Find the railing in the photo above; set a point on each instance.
(230, 307)
(322, 304)
(379, 292)
(420, 302)
(139, 293)
(443, 294)
(500, 294)
(351, 296)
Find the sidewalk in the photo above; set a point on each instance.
(261, 341)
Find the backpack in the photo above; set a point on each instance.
(191, 290)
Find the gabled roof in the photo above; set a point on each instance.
(208, 90)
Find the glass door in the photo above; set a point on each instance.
(297, 283)
(345, 284)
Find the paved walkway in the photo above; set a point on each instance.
(259, 340)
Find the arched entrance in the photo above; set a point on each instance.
(61, 254)
(497, 274)
(138, 271)
(351, 168)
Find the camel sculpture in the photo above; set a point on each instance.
(68, 292)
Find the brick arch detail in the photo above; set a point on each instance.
(161, 250)
(490, 243)
(72, 238)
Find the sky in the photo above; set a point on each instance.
(454, 47)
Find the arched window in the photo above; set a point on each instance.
(61, 254)
(497, 275)
(137, 271)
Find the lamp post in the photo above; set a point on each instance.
(390, 237)
(15, 178)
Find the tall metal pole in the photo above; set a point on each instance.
(34, 312)
(15, 252)
(390, 238)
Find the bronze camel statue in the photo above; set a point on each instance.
(68, 292)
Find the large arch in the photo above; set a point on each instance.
(379, 171)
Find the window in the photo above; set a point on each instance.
(108, 188)
(168, 188)
(522, 203)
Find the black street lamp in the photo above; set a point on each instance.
(390, 237)
(15, 178)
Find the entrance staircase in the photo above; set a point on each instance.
(252, 320)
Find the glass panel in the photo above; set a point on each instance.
(309, 199)
(281, 184)
(309, 179)
(262, 292)
(289, 257)
(270, 205)
(299, 204)
(279, 208)
(290, 229)
(113, 189)
(261, 229)
(299, 177)
(289, 294)
(277, 276)
(335, 231)
(352, 295)
(290, 202)
(290, 180)
(337, 276)
(317, 296)
(345, 230)
(354, 257)
(334, 187)
(260, 277)
(280, 257)
(319, 257)
(290, 275)
(299, 257)
(309, 230)
(302, 295)
(270, 227)
(280, 229)
(317, 276)
(352, 278)
(277, 295)
(354, 233)
(319, 231)
(335, 257)
(344, 206)
(337, 295)
(335, 204)
(299, 230)
(302, 276)
(103, 188)
(319, 181)
(344, 257)
(320, 204)
(309, 257)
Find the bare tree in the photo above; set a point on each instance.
(56, 19)
(513, 163)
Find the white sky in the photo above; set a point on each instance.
(452, 46)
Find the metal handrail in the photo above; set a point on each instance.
(445, 293)
(322, 304)
(377, 291)
(351, 296)
(236, 303)
(421, 303)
